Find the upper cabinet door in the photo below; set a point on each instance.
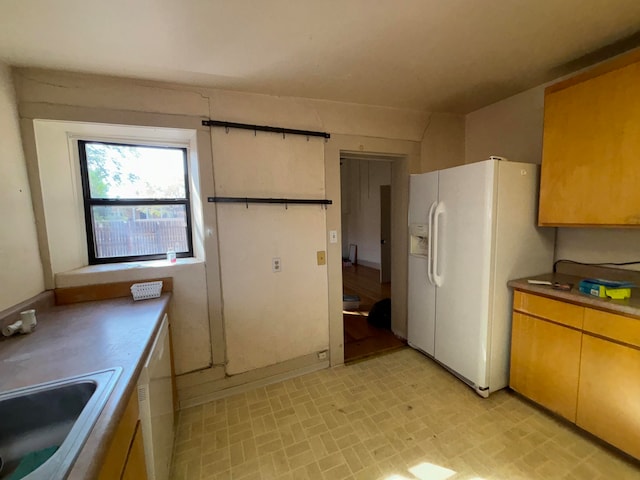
(591, 148)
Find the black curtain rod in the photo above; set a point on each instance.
(265, 128)
(286, 201)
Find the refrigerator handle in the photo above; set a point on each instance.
(437, 279)
(429, 243)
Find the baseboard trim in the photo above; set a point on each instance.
(191, 395)
(193, 379)
(367, 263)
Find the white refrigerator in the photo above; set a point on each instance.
(471, 229)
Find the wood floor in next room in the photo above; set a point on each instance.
(398, 416)
(360, 338)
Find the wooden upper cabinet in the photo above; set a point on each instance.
(591, 147)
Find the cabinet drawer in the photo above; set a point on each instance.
(559, 312)
(610, 325)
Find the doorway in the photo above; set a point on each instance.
(365, 182)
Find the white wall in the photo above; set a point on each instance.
(60, 188)
(21, 271)
(271, 316)
(268, 318)
(443, 142)
(60, 193)
(513, 128)
(361, 225)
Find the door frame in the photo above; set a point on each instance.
(406, 159)
(385, 221)
(346, 163)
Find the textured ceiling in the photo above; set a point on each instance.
(438, 55)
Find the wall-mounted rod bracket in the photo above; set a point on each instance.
(284, 201)
(264, 128)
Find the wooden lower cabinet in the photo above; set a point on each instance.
(545, 363)
(135, 467)
(609, 393)
(125, 457)
(586, 371)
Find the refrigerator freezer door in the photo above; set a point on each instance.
(423, 192)
(464, 258)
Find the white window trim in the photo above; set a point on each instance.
(61, 187)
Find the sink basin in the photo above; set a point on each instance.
(55, 414)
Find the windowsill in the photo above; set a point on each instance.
(117, 272)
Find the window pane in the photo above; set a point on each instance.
(121, 231)
(125, 171)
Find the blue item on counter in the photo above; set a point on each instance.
(606, 288)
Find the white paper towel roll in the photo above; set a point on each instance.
(11, 329)
(29, 322)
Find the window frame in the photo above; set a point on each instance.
(89, 202)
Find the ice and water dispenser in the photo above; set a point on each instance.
(418, 239)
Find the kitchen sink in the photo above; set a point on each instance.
(49, 423)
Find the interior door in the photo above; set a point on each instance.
(423, 193)
(464, 262)
(385, 233)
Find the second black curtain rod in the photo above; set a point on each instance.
(265, 128)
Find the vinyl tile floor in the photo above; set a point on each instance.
(395, 417)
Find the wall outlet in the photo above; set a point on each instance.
(276, 264)
(322, 257)
(333, 236)
(322, 355)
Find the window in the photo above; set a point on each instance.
(136, 201)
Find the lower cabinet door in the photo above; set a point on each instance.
(135, 468)
(545, 363)
(609, 393)
(118, 452)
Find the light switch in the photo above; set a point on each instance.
(322, 257)
(333, 236)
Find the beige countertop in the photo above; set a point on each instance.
(82, 338)
(629, 307)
